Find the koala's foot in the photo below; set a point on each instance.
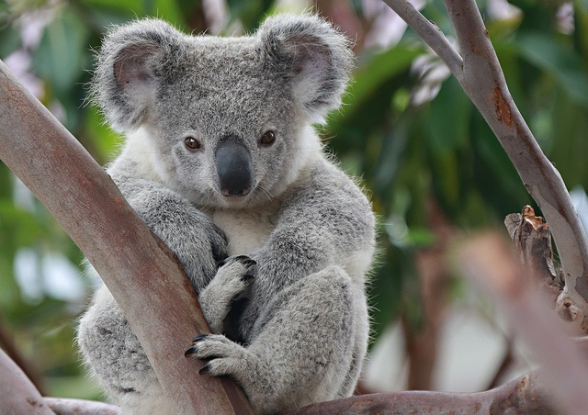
(226, 290)
(227, 357)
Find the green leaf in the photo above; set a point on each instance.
(169, 11)
(569, 144)
(250, 12)
(449, 119)
(581, 29)
(10, 40)
(560, 61)
(59, 59)
(379, 69)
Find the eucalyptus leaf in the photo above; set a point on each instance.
(560, 61)
(60, 58)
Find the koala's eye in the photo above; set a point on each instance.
(267, 139)
(192, 143)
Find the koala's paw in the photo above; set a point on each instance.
(234, 275)
(225, 357)
(226, 290)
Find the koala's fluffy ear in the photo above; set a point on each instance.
(132, 61)
(313, 54)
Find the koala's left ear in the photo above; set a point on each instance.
(313, 54)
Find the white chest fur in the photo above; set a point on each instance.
(245, 231)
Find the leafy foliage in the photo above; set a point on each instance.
(408, 150)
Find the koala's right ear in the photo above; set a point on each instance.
(313, 55)
(131, 63)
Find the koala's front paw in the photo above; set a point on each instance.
(226, 291)
(236, 272)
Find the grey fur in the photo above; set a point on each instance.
(291, 318)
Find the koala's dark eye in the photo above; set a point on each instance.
(267, 139)
(192, 143)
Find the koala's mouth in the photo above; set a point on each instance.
(237, 195)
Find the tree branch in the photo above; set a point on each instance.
(17, 394)
(487, 261)
(147, 283)
(430, 33)
(483, 81)
(80, 407)
(526, 395)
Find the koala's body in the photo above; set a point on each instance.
(222, 163)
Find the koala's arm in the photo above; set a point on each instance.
(190, 234)
(326, 221)
(105, 339)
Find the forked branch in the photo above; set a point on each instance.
(483, 81)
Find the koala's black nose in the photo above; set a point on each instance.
(233, 166)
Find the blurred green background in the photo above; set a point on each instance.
(424, 155)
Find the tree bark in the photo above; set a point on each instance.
(526, 395)
(80, 407)
(17, 394)
(143, 276)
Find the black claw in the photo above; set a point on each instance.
(246, 277)
(190, 351)
(205, 369)
(249, 263)
(242, 258)
(199, 338)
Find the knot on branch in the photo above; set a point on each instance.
(502, 110)
(532, 243)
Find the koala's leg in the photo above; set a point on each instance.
(361, 338)
(115, 356)
(304, 351)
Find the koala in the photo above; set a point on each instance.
(222, 162)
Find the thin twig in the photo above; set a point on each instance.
(430, 33)
(484, 83)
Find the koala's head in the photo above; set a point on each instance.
(225, 121)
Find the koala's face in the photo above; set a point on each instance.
(234, 136)
(226, 116)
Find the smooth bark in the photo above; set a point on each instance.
(17, 393)
(526, 395)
